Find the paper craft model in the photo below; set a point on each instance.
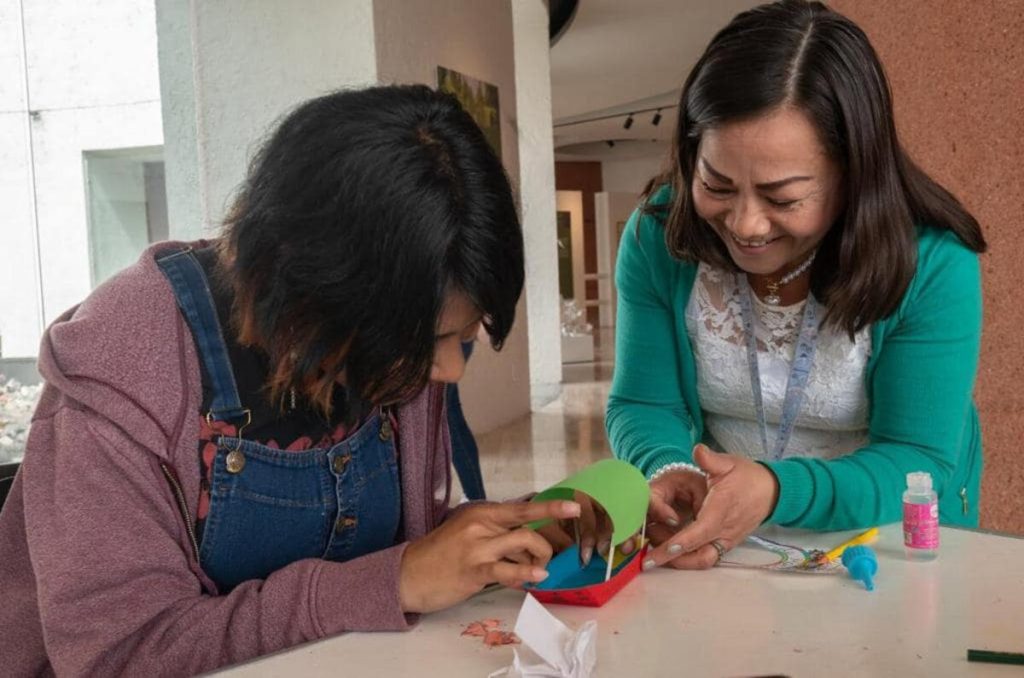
(623, 493)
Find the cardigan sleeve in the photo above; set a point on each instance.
(920, 391)
(647, 420)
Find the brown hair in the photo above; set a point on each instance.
(804, 55)
(362, 212)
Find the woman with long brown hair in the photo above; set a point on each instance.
(799, 303)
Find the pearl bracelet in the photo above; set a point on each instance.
(675, 466)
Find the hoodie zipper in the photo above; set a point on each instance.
(179, 494)
(436, 408)
(429, 513)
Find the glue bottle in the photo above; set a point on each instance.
(920, 518)
(861, 564)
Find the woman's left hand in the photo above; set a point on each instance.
(741, 494)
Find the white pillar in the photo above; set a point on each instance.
(228, 70)
(75, 77)
(21, 315)
(537, 195)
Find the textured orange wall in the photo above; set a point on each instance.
(957, 75)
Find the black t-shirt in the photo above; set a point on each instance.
(270, 421)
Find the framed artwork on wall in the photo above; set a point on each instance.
(565, 283)
(479, 98)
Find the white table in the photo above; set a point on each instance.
(919, 621)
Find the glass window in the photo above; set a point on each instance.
(127, 206)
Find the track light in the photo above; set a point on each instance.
(612, 116)
(657, 118)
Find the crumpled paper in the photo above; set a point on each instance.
(550, 649)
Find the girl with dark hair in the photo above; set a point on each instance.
(799, 304)
(242, 445)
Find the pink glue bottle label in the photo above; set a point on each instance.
(920, 518)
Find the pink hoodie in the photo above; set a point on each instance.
(97, 570)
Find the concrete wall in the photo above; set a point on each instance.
(90, 88)
(229, 70)
(20, 319)
(476, 39)
(957, 77)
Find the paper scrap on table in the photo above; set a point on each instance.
(550, 649)
(490, 631)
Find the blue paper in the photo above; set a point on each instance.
(564, 571)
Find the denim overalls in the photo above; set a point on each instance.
(269, 507)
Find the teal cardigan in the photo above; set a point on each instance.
(919, 381)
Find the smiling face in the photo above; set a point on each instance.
(768, 188)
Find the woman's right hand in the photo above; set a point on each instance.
(475, 548)
(676, 499)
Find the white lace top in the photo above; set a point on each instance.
(833, 419)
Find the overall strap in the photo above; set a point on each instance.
(192, 292)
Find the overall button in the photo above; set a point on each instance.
(339, 463)
(235, 461)
(385, 430)
(344, 523)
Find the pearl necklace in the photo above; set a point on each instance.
(773, 298)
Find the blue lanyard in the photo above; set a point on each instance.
(803, 361)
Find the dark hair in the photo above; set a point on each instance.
(804, 55)
(360, 213)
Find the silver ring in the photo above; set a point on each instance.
(721, 550)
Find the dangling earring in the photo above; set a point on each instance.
(291, 392)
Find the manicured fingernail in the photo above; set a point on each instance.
(675, 549)
(603, 547)
(672, 522)
(571, 509)
(538, 574)
(649, 564)
(627, 547)
(586, 554)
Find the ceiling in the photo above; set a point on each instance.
(617, 57)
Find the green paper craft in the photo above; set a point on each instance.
(619, 487)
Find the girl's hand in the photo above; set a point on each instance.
(592, 530)
(740, 494)
(475, 548)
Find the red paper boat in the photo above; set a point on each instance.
(568, 584)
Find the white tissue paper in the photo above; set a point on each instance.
(550, 649)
